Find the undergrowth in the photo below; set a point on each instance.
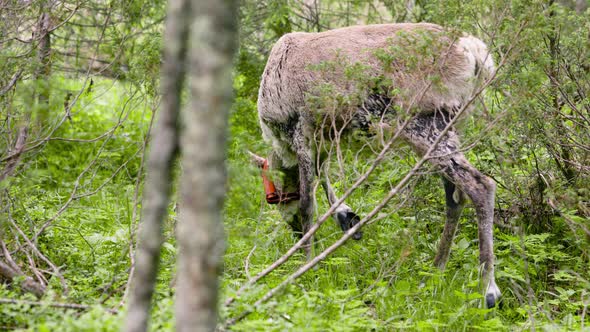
(383, 282)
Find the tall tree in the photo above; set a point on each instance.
(163, 152)
(200, 232)
(212, 29)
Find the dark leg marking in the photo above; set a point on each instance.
(455, 200)
(343, 214)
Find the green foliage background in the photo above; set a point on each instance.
(532, 138)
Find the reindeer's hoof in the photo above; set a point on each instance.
(493, 296)
(490, 301)
(347, 220)
(357, 236)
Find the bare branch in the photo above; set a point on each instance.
(74, 306)
(28, 284)
(19, 146)
(12, 82)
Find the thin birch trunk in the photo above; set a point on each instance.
(163, 152)
(200, 230)
(43, 71)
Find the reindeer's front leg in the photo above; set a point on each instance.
(304, 154)
(343, 214)
(286, 195)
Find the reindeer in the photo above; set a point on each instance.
(420, 75)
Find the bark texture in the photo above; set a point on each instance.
(200, 231)
(163, 151)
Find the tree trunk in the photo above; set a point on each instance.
(200, 231)
(43, 70)
(163, 152)
(581, 6)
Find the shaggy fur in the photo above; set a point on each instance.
(420, 72)
(289, 76)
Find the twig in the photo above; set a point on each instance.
(39, 254)
(14, 157)
(29, 284)
(133, 223)
(12, 82)
(247, 262)
(33, 268)
(74, 306)
(8, 257)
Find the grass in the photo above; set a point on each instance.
(383, 282)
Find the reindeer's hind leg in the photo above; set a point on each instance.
(455, 200)
(421, 133)
(480, 190)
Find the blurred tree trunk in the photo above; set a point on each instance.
(212, 26)
(163, 151)
(43, 38)
(200, 230)
(581, 6)
(43, 70)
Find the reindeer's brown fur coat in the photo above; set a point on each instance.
(289, 75)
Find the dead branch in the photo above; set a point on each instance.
(74, 306)
(38, 253)
(14, 159)
(12, 82)
(28, 284)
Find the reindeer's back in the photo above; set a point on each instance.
(421, 66)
